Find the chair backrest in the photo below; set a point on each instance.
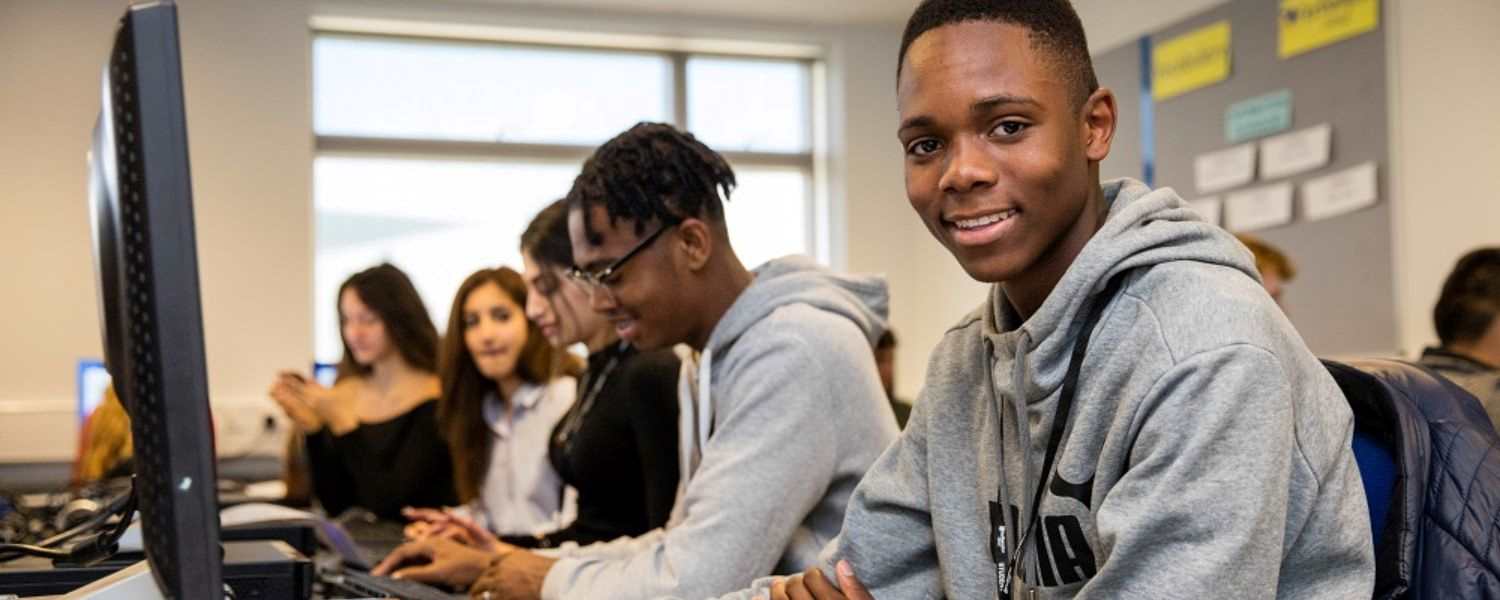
(1377, 468)
(1430, 461)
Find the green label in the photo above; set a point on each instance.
(1258, 116)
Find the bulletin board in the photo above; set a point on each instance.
(1343, 298)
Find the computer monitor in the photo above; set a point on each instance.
(326, 374)
(146, 262)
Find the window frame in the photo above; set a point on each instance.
(810, 162)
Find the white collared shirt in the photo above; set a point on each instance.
(522, 494)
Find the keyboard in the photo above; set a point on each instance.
(365, 585)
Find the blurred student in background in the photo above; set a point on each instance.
(618, 445)
(504, 389)
(104, 448)
(1467, 317)
(372, 439)
(1276, 270)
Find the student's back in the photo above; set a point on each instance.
(1467, 320)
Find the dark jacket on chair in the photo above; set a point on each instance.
(1441, 536)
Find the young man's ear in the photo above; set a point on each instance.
(695, 241)
(1099, 114)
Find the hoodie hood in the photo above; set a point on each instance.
(1144, 227)
(863, 299)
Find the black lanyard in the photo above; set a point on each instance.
(574, 419)
(1005, 567)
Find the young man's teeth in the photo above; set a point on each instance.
(985, 220)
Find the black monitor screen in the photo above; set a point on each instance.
(146, 262)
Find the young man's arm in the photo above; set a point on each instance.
(776, 447)
(887, 539)
(1203, 509)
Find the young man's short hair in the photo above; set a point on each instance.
(1268, 258)
(1053, 24)
(1470, 301)
(654, 172)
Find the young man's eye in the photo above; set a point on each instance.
(923, 147)
(1008, 128)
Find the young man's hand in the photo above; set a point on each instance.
(812, 584)
(518, 576)
(437, 560)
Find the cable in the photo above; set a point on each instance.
(91, 548)
(20, 550)
(115, 506)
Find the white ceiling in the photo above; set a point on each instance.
(1110, 23)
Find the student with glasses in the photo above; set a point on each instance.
(618, 446)
(786, 408)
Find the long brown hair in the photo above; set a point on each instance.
(461, 410)
(389, 293)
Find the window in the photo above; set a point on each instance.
(434, 154)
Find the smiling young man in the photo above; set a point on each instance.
(1128, 415)
(784, 410)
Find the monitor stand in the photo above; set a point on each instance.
(131, 583)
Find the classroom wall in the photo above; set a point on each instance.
(1342, 301)
(1441, 175)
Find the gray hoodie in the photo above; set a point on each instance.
(795, 416)
(1207, 454)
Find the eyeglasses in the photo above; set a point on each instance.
(601, 280)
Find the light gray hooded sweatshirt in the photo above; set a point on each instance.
(1207, 454)
(794, 418)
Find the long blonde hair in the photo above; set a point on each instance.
(105, 441)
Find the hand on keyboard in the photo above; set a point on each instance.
(367, 585)
(437, 560)
(427, 522)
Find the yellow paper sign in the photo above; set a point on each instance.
(1190, 61)
(1307, 25)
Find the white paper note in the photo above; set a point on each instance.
(1208, 208)
(1218, 171)
(1339, 193)
(1258, 208)
(1296, 152)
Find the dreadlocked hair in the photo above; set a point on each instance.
(654, 172)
